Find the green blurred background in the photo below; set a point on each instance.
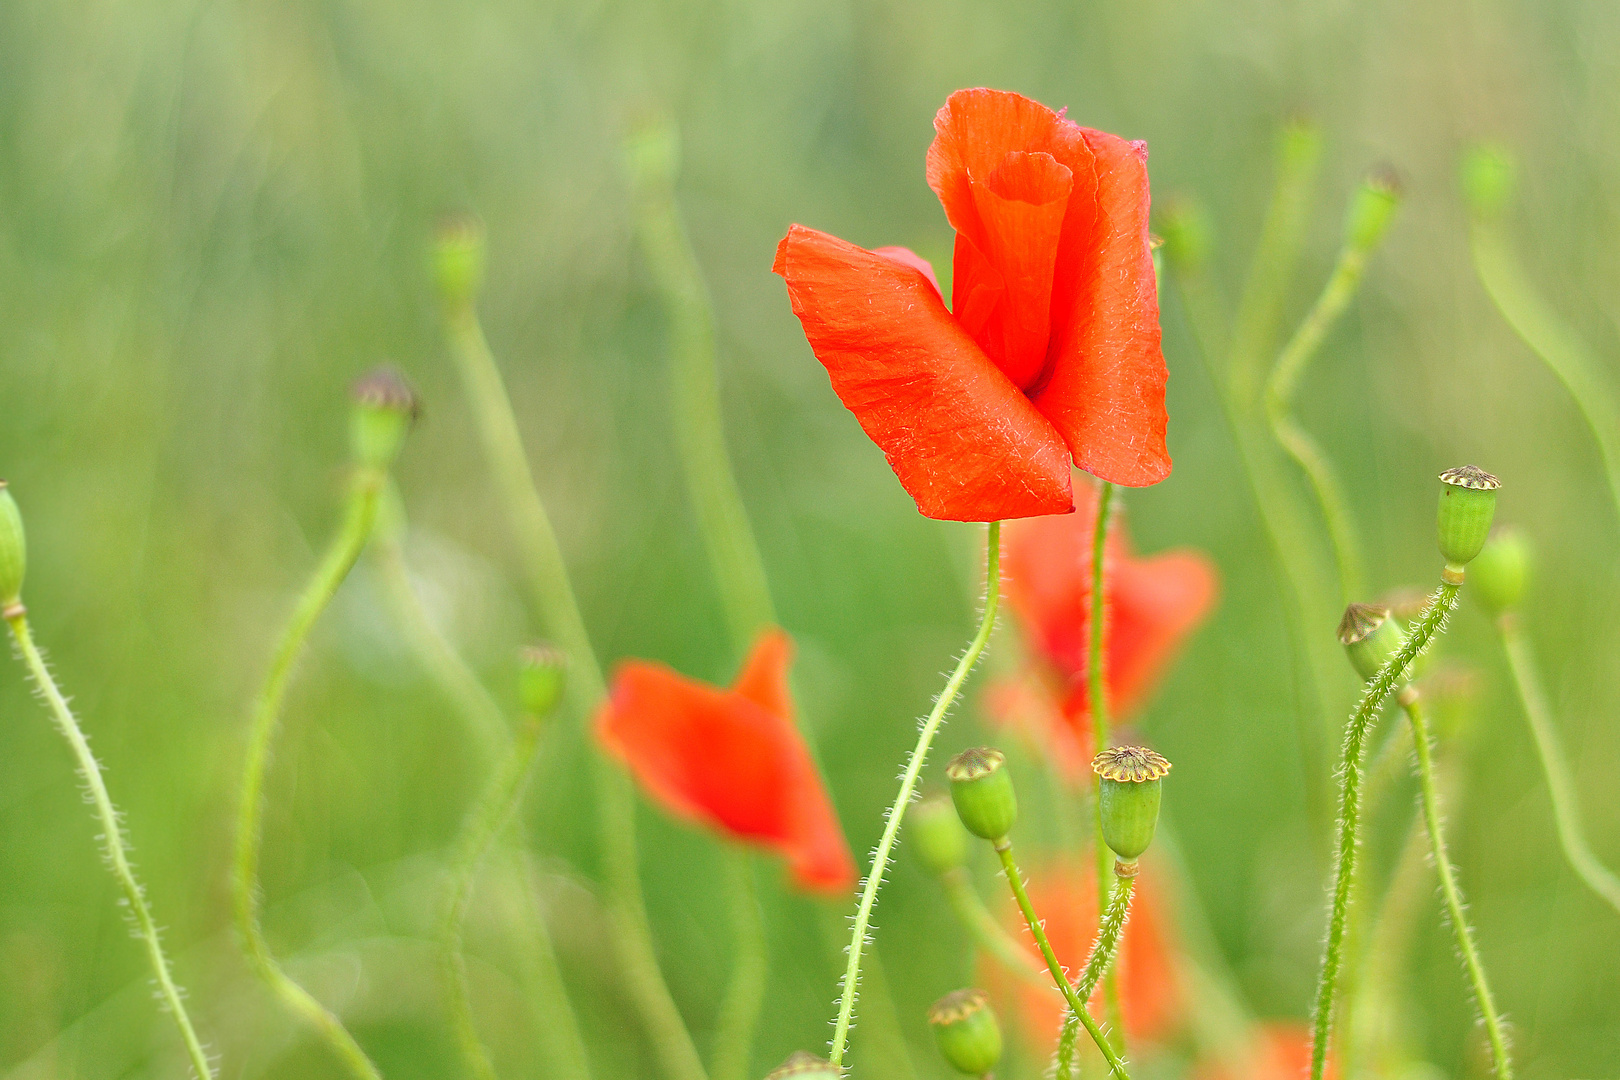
(213, 216)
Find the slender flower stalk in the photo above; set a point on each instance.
(1456, 911)
(1554, 765)
(744, 998)
(989, 934)
(1384, 683)
(114, 845)
(360, 514)
(850, 986)
(1076, 1000)
(1110, 932)
(546, 574)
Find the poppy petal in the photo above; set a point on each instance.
(907, 257)
(764, 675)
(1156, 603)
(963, 440)
(1105, 387)
(973, 132)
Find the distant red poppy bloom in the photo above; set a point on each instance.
(1282, 1051)
(730, 759)
(1051, 347)
(1066, 898)
(1152, 605)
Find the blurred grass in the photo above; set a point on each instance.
(213, 216)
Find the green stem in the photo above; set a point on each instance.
(553, 596)
(1377, 692)
(1097, 698)
(745, 992)
(986, 931)
(1557, 345)
(113, 842)
(492, 810)
(1077, 1001)
(1101, 961)
(1554, 766)
(1456, 912)
(850, 985)
(345, 549)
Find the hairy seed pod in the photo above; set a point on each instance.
(542, 678)
(982, 789)
(1372, 209)
(458, 260)
(937, 835)
(1371, 635)
(803, 1065)
(384, 410)
(1501, 570)
(1467, 505)
(1130, 792)
(13, 549)
(966, 1030)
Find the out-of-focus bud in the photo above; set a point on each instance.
(937, 836)
(458, 260)
(1489, 175)
(384, 410)
(1131, 788)
(1371, 637)
(803, 1065)
(542, 677)
(1467, 505)
(1188, 236)
(652, 154)
(1372, 209)
(982, 789)
(1501, 570)
(13, 550)
(966, 1030)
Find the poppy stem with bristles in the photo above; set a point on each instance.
(850, 986)
(1097, 698)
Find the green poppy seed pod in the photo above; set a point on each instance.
(1489, 175)
(542, 677)
(1371, 635)
(1188, 235)
(937, 836)
(966, 1030)
(982, 789)
(803, 1065)
(1501, 570)
(13, 550)
(458, 260)
(1131, 789)
(384, 410)
(1372, 209)
(1467, 505)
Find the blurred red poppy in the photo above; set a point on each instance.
(1065, 897)
(1282, 1051)
(730, 759)
(1051, 347)
(1152, 605)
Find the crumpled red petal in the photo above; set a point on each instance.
(966, 444)
(730, 759)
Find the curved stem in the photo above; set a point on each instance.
(745, 992)
(1097, 698)
(1473, 967)
(850, 985)
(1554, 766)
(1377, 692)
(1077, 1002)
(1110, 929)
(340, 558)
(553, 596)
(986, 931)
(112, 840)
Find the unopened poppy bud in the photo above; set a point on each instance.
(1501, 570)
(13, 550)
(966, 1030)
(1188, 235)
(1130, 792)
(1488, 179)
(542, 677)
(937, 836)
(1467, 505)
(982, 789)
(384, 410)
(1371, 636)
(458, 260)
(803, 1065)
(1372, 209)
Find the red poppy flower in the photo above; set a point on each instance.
(1050, 349)
(1152, 605)
(1282, 1051)
(1066, 898)
(731, 759)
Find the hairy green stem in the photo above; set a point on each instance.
(493, 809)
(850, 986)
(976, 919)
(1554, 766)
(553, 596)
(1378, 690)
(359, 517)
(113, 842)
(1101, 961)
(745, 991)
(1456, 912)
(1076, 1000)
